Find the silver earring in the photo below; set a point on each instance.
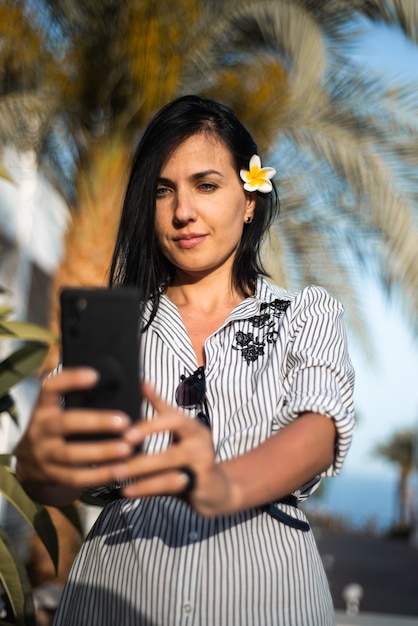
(249, 219)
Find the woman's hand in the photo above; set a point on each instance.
(54, 470)
(272, 470)
(191, 449)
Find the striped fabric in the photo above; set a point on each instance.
(154, 562)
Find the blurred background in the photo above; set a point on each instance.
(329, 89)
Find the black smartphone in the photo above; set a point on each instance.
(100, 328)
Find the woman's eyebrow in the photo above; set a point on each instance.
(205, 173)
(163, 180)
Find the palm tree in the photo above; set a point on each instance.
(399, 449)
(344, 143)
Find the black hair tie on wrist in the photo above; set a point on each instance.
(189, 479)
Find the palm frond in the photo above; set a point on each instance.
(275, 26)
(311, 253)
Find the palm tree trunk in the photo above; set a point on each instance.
(403, 498)
(91, 236)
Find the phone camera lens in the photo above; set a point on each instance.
(81, 304)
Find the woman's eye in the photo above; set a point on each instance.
(162, 192)
(207, 187)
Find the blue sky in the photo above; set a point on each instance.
(387, 390)
(386, 393)
(387, 50)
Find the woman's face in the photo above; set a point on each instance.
(201, 207)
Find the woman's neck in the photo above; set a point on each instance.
(207, 295)
(203, 309)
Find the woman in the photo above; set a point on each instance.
(251, 388)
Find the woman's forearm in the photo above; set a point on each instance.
(281, 464)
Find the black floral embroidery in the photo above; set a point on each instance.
(278, 306)
(252, 347)
(258, 321)
(252, 352)
(243, 339)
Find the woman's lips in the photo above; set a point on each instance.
(190, 240)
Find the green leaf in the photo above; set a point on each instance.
(7, 405)
(35, 514)
(21, 364)
(5, 310)
(5, 459)
(16, 582)
(25, 331)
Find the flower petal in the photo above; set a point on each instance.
(251, 186)
(265, 186)
(245, 176)
(267, 172)
(255, 162)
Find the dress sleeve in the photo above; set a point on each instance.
(319, 376)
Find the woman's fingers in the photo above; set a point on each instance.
(168, 482)
(80, 477)
(73, 464)
(168, 472)
(91, 423)
(148, 393)
(67, 380)
(74, 452)
(46, 450)
(191, 442)
(50, 450)
(51, 420)
(49, 454)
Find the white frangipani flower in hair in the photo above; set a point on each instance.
(257, 178)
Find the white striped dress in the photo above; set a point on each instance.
(154, 562)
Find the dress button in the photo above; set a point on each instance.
(187, 607)
(193, 535)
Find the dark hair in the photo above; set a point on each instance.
(137, 259)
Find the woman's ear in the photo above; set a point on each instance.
(251, 206)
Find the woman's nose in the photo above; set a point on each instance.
(184, 210)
